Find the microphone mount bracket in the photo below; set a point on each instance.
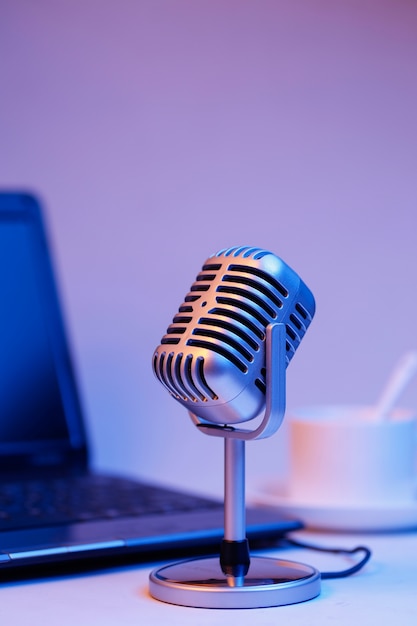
(275, 363)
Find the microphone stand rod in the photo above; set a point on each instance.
(234, 490)
(234, 553)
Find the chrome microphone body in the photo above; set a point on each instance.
(224, 358)
(212, 357)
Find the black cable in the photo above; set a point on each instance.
(338, 574)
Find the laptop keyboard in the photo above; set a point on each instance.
(36, 503)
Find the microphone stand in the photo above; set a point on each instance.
(235, 580)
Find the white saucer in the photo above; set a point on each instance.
(344, 517)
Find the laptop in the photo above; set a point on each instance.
(55, 511)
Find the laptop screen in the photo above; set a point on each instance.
(39, 412)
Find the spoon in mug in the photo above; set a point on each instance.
(402, 374)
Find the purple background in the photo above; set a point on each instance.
(157, 132)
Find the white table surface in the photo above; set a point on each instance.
(383, 593)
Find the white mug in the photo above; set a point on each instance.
(343, 455)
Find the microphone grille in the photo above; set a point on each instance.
(236, 295)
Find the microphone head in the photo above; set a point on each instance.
(212, 357)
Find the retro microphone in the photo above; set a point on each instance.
(224, 358)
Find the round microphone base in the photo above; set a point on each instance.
(200, 583)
